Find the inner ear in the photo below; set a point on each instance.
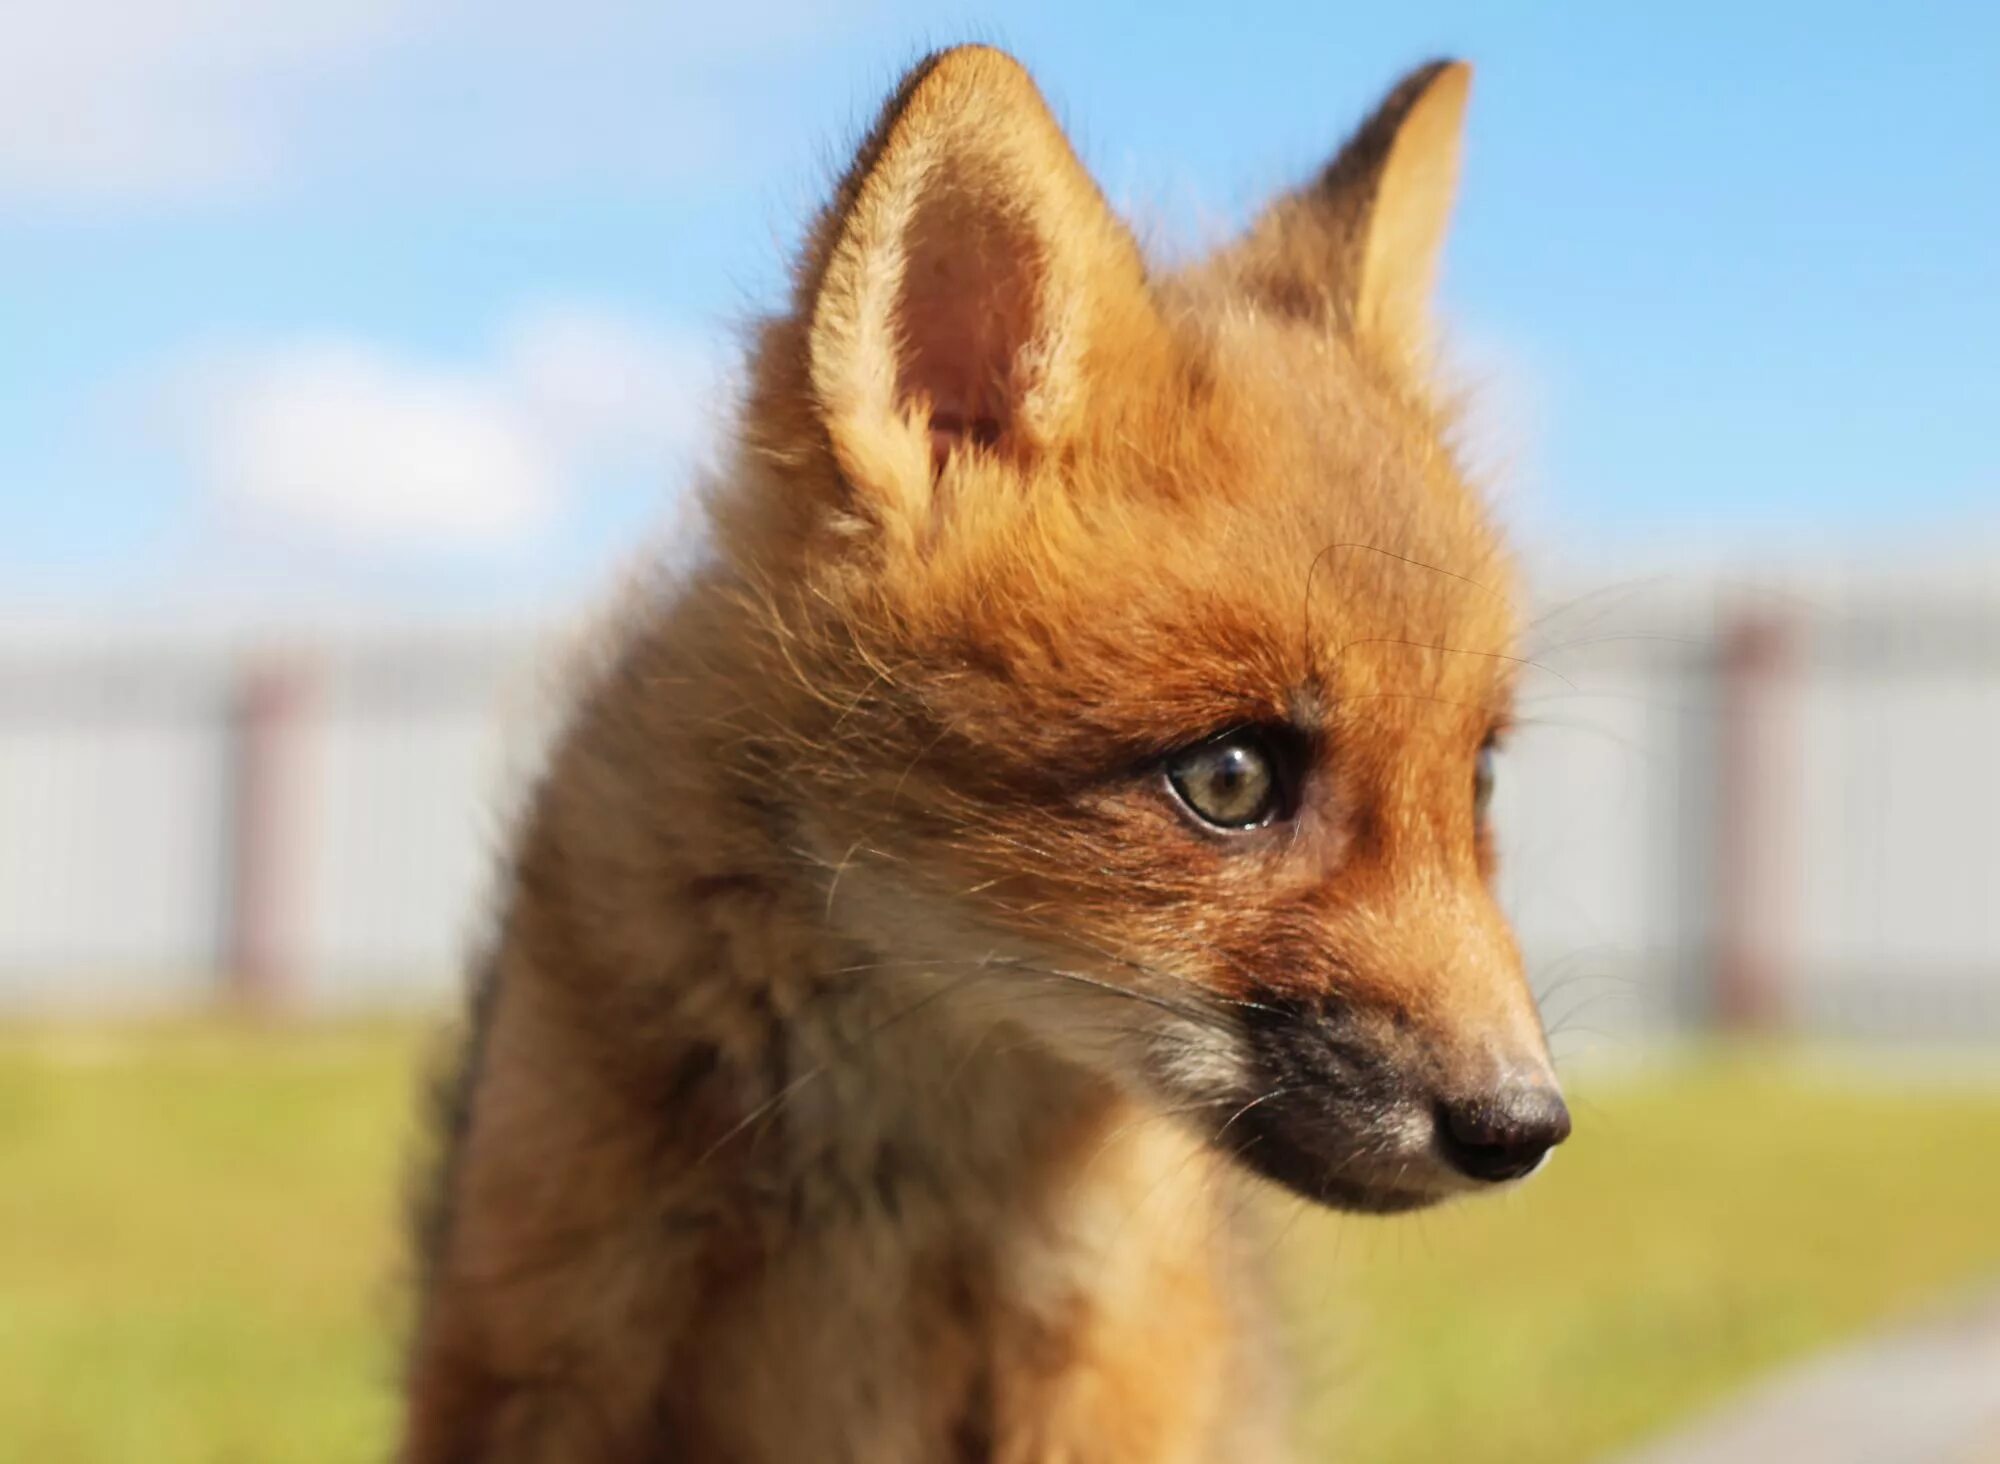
(973, 276)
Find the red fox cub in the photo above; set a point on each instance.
(1060, 797)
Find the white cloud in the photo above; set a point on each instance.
(115, 101)
(342, 438)
(604, 389)
(122, 97)
(352, 440)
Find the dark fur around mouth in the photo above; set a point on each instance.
(1321, 1096)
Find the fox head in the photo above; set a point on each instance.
(1126, 648)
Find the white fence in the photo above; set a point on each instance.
(1786, 809)
(175, 822)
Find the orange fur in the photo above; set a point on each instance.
(859, 1071)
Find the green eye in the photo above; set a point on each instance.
(1231, 782)
(1482, 781)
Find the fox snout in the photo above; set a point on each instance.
(1364, 1110)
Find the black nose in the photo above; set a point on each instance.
(1505, 1134)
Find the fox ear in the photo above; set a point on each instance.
(1360, 244)
(965, 286)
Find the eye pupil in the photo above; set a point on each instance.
(1231, 783)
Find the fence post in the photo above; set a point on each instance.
(1755, 769)
(263, 966)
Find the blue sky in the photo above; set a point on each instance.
(417, 302)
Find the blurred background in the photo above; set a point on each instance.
(352, 351)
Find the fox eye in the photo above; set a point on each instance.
(1482, 780)
(1232, 782)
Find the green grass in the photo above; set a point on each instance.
(198, 1234)
(1709, 1220)
(198, 1253)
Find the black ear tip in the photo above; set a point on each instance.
(1420, 79)
(1369, 144)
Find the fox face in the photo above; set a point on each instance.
(1125, 651)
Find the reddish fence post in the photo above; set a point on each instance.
(1755, 771)
(263, 957)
